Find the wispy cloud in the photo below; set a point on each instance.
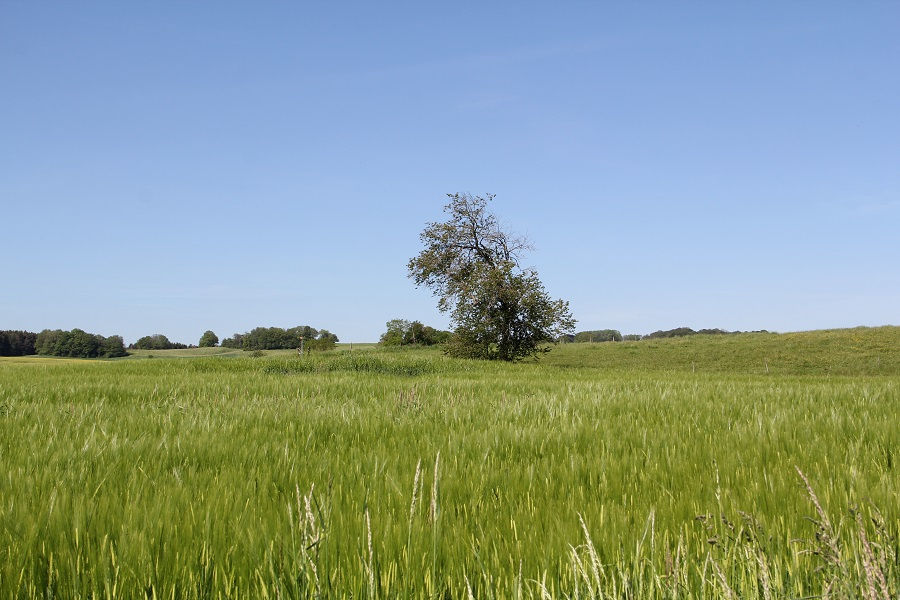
(487, 60)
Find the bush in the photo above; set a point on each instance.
(319, 345)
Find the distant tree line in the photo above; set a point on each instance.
(276, 338)
(81, 344)
(157, 341)
(598, 335)
(401, 332)
(78, 344)
(17, 343)
(611, 335)
(684, 331)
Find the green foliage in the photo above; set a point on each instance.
(273, 338)
(600, 335)
(156, 341)
(276, 338)
(208, 339)
(17, 343)
(677, 332)
(326, 335)
(396, 331)
(78, 344)
(112, 347)
(684, 331)
(499, 310)
(235, 341)
(247, 478)
(401, 332)
(325, 341)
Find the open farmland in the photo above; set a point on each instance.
(663, 468)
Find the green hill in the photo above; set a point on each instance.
(857, 351)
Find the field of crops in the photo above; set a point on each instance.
(663, 469)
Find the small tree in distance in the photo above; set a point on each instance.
(396, 332)
(208, 339)
(500, 310)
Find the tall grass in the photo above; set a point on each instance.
(412, 475)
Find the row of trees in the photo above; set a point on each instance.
(684, 331)
(78, 344)
(17, 343)
(81, 344)
(401, 332)
(597, 335)
(276, 338)
(612, 335)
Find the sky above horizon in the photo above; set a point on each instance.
(177, 167)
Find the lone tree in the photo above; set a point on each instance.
(499, 309)
(208, 339)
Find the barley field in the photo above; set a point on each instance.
(747, 466)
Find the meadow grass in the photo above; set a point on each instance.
(590, 474)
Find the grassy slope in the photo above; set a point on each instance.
(229, 352)
(859, 351)
(181, 476)
(183, 353)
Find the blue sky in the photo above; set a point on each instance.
(177, 167)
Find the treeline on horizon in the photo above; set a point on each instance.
(56, 342)
(157, 341)
(400, 332)
(81, 344)
(613, 335)
(276, 338)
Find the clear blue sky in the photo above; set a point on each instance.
(177, 167)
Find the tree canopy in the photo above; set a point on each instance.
(208, 339)
(599, 335)
(401, 332)
(17, 343)
(277, 338)
(157, 341)
(499, 309)
(78, 344)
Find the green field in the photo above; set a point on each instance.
(652, 469)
